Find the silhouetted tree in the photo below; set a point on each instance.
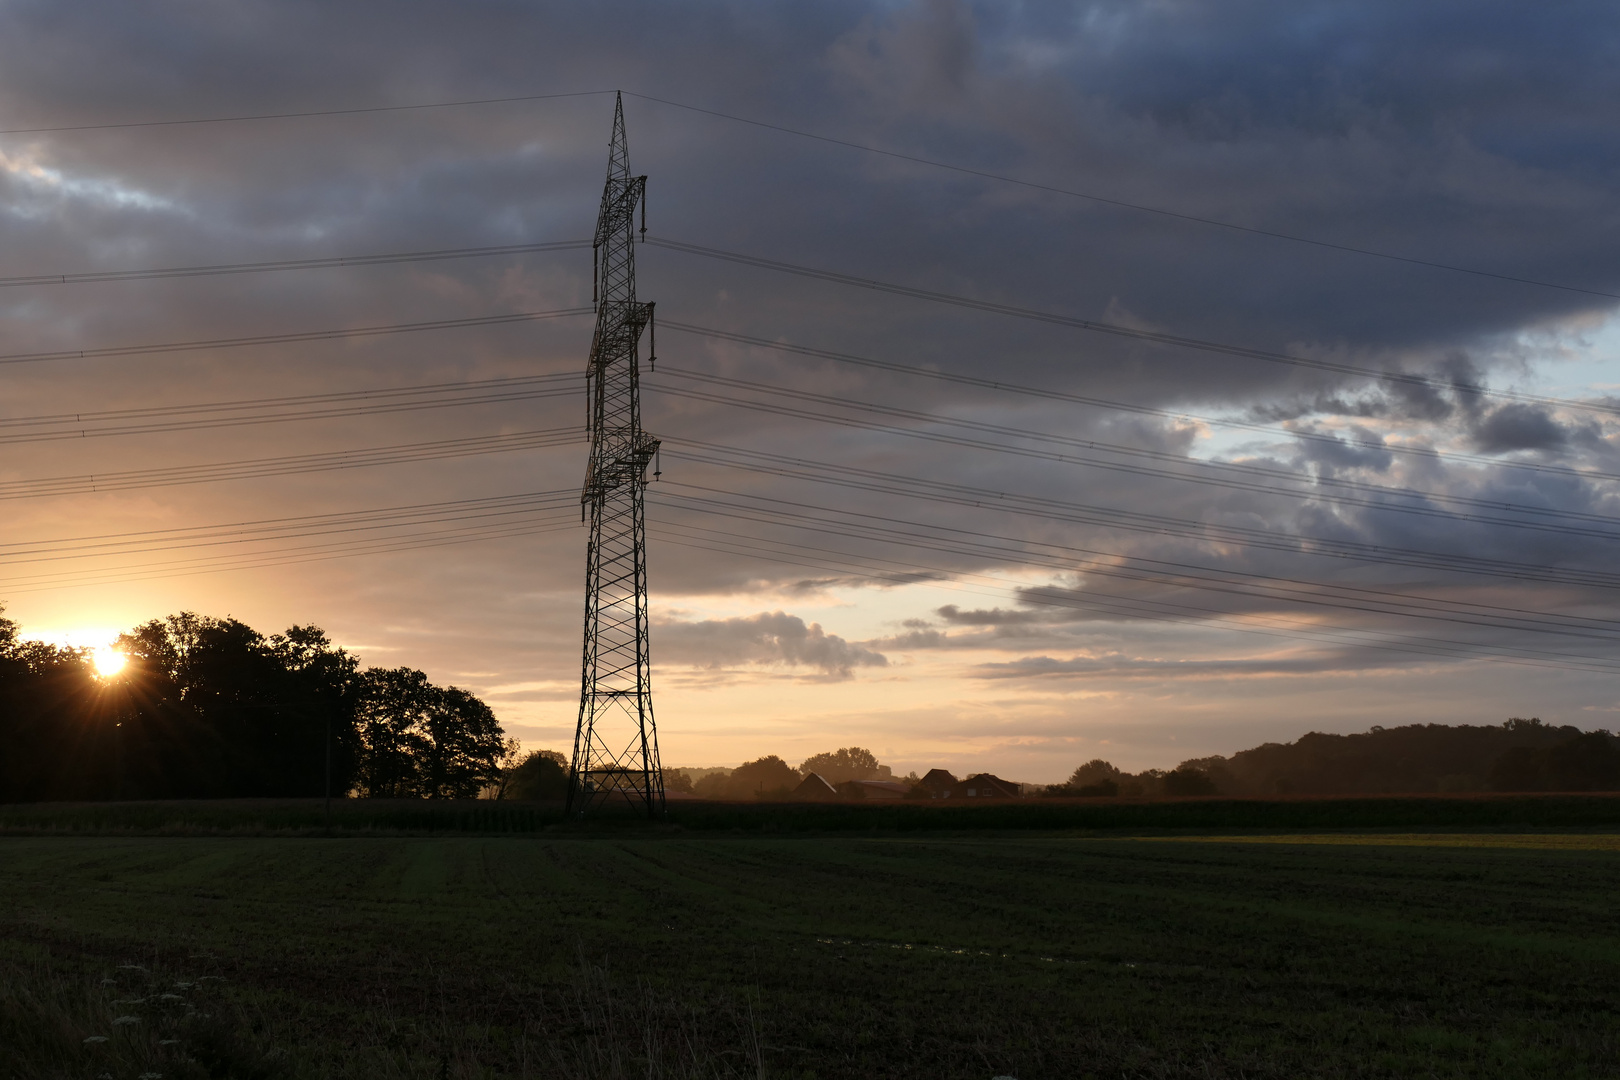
(215, 708)
(850, 763)
(541, 774)
(210, 707)
(1410, 758)
(54, 721)
(1184, 780)
(765, 778)
(420, 741)
(1589, 762)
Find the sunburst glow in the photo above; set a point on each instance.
(108, 660)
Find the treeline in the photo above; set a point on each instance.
(211, 708)
(543, 775)
(1519, 755)
(770, 777)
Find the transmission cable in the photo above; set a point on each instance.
(1176, 215)
(1092, 325)
(344, 521)
(208, 415)
(1002, 386)
(1123, 606)
(1132, 521)
(247, 117)
(982, 174)
(214, 270)
(555, 522)
(297, 464)
(1114, 448)
(1137, 607)
(1161, 611)
(298, 336)
(1180, 574)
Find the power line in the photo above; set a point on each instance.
(238, 404)
(297, 336)
(203, 416)
(982, 174)
(247, 117)
(1115, 329)
(889, 536)
(1140, 207)
(57, 549)
(1195, 465)
(1161, 611)
(1132, 607)
(1178, 574)
(1044, 393)
(558, 521)
(1135, 521)
(297, 464)
(216, 269)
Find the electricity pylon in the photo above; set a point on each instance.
(616, 741)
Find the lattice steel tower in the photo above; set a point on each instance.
(616, 742)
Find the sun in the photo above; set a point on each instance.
(108, 660)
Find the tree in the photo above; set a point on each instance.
(1185, 780)
(1096, 778)
(210, 707)
(767, 777)
(541, 774)
(325, 683)
(465, 746)
(1095, 771)
(1588, 762)
(52, 721)
(418, 740)
(393, 727)
(215, 708)
(713, 784)
(850, 763)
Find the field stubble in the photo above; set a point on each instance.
(878, 955)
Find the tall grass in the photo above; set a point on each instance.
(61, 1019)
(596, 1033)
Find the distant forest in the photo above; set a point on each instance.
(1517, 756)
(1520, 755)
(543, 774)
(211, 708)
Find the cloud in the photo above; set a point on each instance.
(913, 639)
(994, 617)
(767, 639)
(1115, 666)
(1519, 427)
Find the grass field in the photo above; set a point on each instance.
(875, 955)
(371, 817)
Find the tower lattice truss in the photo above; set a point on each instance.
(616, 741)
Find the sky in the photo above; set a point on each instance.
(1135, 380)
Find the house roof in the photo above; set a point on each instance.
(814, 786)
(937, 778)
(984, 779)
(884, 785)
(873, 789)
